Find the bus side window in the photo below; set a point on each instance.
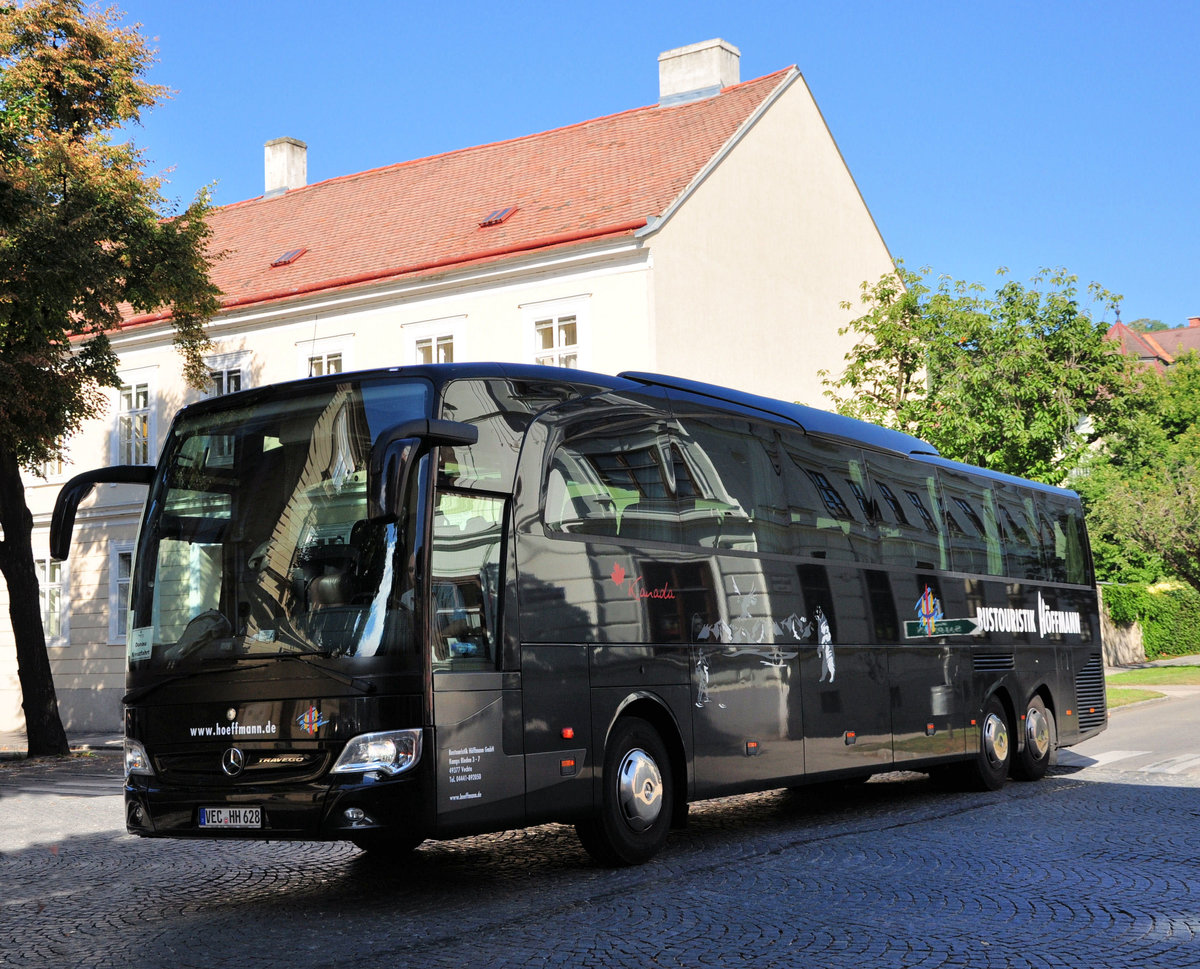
(728, 478)
(832, 513)
(912, 532)
(1066, 546)
(1022, 545)
(465, 580)
(615, 479)
(971, 506)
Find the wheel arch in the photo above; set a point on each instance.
(1002, 693)
(656, 712)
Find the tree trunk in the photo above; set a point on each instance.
(43, 726)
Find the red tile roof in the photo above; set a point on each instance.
(1161, 348)
(1140, 345)
(1180, 339)
(597, 179)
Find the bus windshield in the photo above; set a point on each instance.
(257, 540)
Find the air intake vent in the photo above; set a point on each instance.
(1090, 698)
(992, 662)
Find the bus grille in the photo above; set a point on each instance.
(992, 662)
(1090, 698)
(203, 768)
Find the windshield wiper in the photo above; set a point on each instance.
(293, 648)
(304, 656)
(143, 691)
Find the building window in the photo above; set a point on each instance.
(120, 570)
(435, 349)
(324, 363)
(222, 382)
(133, 424)
(51, 588)
(556, 341)
(433, 341)
(228, 372)
(557, 332)
(324, 356)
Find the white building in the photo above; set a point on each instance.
(711, 236)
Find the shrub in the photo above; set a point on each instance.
(1169, 614)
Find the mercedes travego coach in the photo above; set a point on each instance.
(431, 601)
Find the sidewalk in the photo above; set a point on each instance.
(13, 744)
(1169, 661)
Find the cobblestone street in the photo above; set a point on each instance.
(1082, 869)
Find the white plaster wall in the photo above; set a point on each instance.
(750, 271)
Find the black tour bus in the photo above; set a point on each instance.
(430, 601)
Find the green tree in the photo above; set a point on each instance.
(84, 232)
(1146, 325)
(1142, 487)
(1020, 381)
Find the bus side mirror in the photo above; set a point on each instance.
(62, 522)
(394, 454)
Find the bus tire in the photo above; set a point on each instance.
(637, 801)
(1033, 759)
(994, 757)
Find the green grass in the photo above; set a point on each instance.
(1157, 676)
(1122, 696)
(1125, 688)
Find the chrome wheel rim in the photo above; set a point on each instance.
(639, 789)
(1037, 732)
(995, 740)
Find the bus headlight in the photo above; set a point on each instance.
(392, 752)
(137, 761)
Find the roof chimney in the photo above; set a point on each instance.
(1194, 321)
(696, 71)
(285, 161)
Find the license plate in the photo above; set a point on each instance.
(231, 817)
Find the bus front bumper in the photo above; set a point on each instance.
(309, 811)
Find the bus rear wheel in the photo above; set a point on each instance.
(1033, 759)
(638, 798)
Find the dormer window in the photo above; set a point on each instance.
(288, 258)
(498, 216)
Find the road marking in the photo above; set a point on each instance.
(1070, 758)
(1173, 765)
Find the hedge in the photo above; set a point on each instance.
(1169, 615)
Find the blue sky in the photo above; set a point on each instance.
(981, 134)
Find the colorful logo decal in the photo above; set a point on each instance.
(930, 621)
(311, 720)
(929, 611)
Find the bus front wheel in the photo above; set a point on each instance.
(1033, 760)
(995, 755)
(634, 815)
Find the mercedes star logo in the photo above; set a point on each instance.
(233, 762)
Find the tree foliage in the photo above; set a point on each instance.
(85, 239)
(1142, 487)
(1146, 325)
(1020, 380)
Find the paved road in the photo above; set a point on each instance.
(1094, 866)
(1150, 738)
